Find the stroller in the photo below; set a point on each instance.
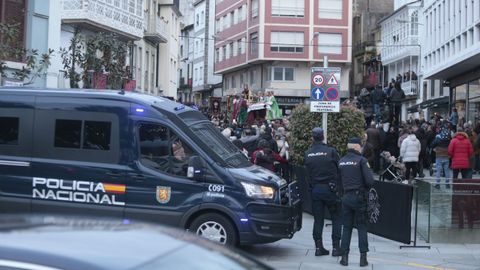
(393, 168)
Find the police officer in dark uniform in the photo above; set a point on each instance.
(356, 179)
(322, 166)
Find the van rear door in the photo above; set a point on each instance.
(16, 130)
(158, 187)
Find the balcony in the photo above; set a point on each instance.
(156, 30)
(410, 88)
(122, 17)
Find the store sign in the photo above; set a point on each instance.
(289, 100)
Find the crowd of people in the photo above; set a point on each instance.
(439, 145)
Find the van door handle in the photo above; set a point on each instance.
(114, 174)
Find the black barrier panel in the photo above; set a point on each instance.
(389, 218)
(394, 219)
(300, 175)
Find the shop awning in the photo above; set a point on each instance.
(432, 103)
(414, 108)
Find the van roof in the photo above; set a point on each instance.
(136, 97)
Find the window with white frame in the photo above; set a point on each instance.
(234, 82)
(239, 47)
(231, 49)
(243, 44)
(330, 43)
(201, 74)
(254, 4)
(414, 24)
(254, 43)
(283, 74)
(235, 49)
(291, 8)
(241, 15)
(195, 75)
(225, 22)
(232, 18)
(224, 52)
(202, 18)
(217, 55)
(227, 52)
(217, 25)
(235, 16)
(220, 24)
(330, 9)
(287, 42)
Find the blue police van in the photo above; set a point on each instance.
(134, 156)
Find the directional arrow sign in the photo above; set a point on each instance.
(318, 93)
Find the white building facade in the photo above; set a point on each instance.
(452, 52)
(145, 58)
(205, 82)
(401, 50)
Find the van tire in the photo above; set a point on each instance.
(219, 229)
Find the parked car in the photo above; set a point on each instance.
(71, 243)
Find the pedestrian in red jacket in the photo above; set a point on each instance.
(460, 150)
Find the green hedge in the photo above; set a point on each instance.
(349, 122)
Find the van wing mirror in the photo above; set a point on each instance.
(196, 167)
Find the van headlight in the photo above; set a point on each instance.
(257, 191)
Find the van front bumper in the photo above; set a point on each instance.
(271, 222)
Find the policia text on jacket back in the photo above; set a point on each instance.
(134, 156)
(322, 166)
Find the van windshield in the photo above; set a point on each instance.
(226, 151)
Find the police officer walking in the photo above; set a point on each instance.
(356, 179)
(322, 166)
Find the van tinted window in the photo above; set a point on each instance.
(9, 130)
(96, 134)
(68, 133)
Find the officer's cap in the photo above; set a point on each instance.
(317, 134)
(354, 140)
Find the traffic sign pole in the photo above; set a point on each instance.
(325, 115)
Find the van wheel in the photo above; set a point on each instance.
(216, 228)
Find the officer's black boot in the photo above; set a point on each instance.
(319, 249)
(363, 259)
(336, 249)
(344, 260)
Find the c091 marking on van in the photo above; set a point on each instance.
(77, 191)
(216, 188)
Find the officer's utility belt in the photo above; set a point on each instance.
(331, 185)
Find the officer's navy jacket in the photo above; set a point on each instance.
(355, 174)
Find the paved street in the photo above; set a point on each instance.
(298, 253)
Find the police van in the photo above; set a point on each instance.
(133, 156)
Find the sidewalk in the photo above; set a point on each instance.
(298, 253)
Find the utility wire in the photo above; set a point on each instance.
(293, 44)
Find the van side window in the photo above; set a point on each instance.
(9, 130)
(96, 134)
(162, 150)
(68, 133)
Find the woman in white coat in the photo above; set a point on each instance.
(409, 152)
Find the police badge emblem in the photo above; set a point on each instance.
(163, 194)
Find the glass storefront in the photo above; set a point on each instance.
(466, 98)
(474, 102)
